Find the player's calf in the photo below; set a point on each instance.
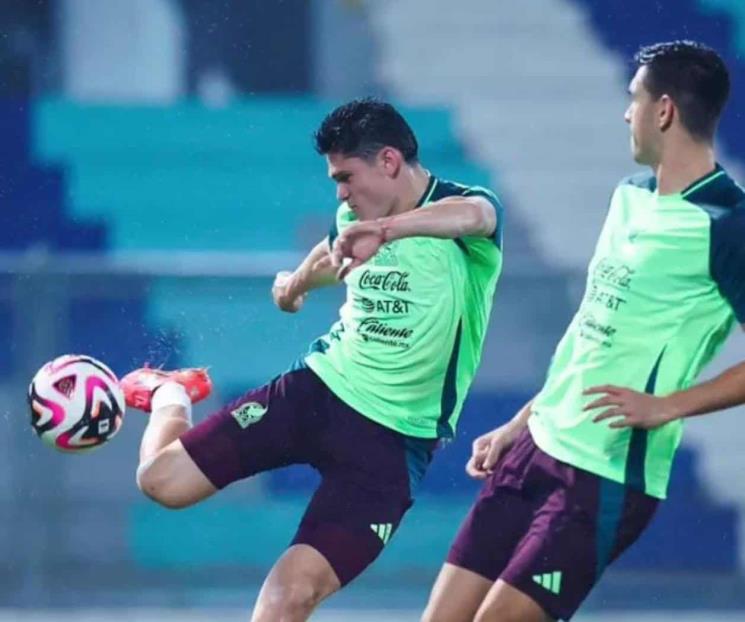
(166, 473)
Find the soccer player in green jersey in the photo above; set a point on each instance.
(575, 477)
(420, 258)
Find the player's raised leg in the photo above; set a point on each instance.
(166, 473)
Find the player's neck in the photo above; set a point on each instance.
(682, 166)
(414, 182)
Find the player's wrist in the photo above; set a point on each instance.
(387, 228)
(676, 406)
(294, 286)
(514, 426)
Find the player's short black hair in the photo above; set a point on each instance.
(362, 127)
(694, 76)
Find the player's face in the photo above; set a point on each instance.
(641, 115)
(365, 185)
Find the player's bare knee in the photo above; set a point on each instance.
(158, 482)
(504, 612)
(294, 601)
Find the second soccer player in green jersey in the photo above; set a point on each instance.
(576, 476)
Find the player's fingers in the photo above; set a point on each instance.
(609, 414)
(470, 466)
(474, 471)
(492, 456)
(479, 475)
(348, 267)
(608, 400)
(478, 456)
(343, 243)
(281, 278)
(480, 443)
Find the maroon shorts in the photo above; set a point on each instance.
(368, 471)
(547, 528)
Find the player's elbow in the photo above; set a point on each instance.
(482, 218)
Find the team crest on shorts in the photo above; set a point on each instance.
(249, 413)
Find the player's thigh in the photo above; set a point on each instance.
(577, 531)
(299, 580)
(173, 479)
(497, 521)
(350, 520)
(348, 528)
(369, 475)
(263, 429)
(504, 603)
(456, 595)
(480, 552)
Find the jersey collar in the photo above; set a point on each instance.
(428, 191)
(703, 181)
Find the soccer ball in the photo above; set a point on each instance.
(76, 403)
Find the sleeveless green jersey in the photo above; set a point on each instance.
(409, 337)
(664, 288)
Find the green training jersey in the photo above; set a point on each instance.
(409, 337)
(664, 288)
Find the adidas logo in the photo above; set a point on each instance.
(383, 531)
(550, 580)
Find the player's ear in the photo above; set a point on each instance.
(666, 112)
(390, 160)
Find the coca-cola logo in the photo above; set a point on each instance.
(393, 281)
(615, 273)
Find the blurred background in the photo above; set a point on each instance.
(157, 169)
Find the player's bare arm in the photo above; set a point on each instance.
(452, 217)
(291, 288)
(628, 408)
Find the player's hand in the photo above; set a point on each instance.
(283, 297)
(630, 409)
(487, 449)
(355, 245)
